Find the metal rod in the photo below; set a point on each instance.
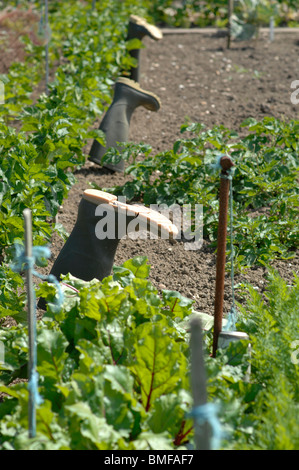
(198, 384)
(30, 317)
(271, 28)
(229, 14)
(226, 163)
(47, 35)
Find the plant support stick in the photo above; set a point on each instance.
(31, 313)
(47, 46)
(229, 14)
(271, 27)
(198, 384)
(226, 164)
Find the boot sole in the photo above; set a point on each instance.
(132, 84)
(154, 32)
(149, 218)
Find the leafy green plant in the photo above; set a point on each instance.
(114, 367)
(265, 189)
(273, 328)
(35, 173)
(114, 362)
(37, 163)
(107, 363)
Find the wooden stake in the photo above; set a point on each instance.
(198, 384)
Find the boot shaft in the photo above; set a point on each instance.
(90, 249)
(128, 95)
(101, 222)
(84, 255)
(138, 28)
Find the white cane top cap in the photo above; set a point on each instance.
(234, 335)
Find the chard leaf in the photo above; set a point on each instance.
(159, 365)
(138, 266)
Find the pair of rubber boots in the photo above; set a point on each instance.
(128, 95)
(101, 222)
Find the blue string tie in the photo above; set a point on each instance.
(208, 413)
(22, 262)
(33, 387)
(216, 166)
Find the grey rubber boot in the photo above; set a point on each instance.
(101, 222)
(82, 255)
(116, 123)
(138, 28)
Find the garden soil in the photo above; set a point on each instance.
(196, 76)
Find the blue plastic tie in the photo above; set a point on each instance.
(208, 413)
(22, 262)
(216, 166)
(230, 325)
(33, 387)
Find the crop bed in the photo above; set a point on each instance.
(114, 361)
(195, 75)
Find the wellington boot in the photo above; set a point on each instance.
(138, 28)
(102, 221)
(116, 123)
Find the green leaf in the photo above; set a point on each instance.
(159, 363)
(168, 412)
(138, 266)
(134, 44)
(89, 303)
(151, 441)
(51, 353)
(179, 306)
(120, 405)
(91, 357)
(123, 275)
